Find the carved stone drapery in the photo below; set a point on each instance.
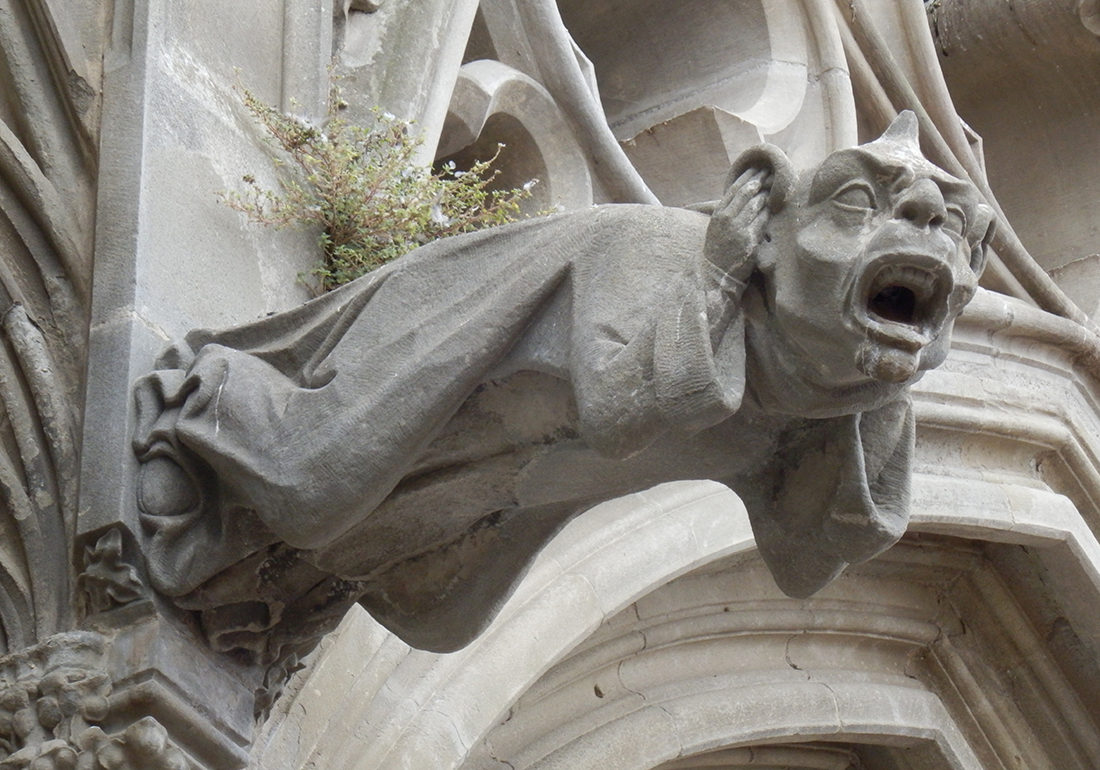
(168, 258)
(413, 439)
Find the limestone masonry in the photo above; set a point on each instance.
(768, 437)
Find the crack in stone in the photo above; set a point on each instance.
(675, 729)
(787, 653)
(619, 676)
(493, 753)
(836, 706)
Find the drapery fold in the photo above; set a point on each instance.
(312, 418)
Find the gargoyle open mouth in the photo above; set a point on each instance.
(904, 304)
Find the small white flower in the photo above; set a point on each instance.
(438, 217)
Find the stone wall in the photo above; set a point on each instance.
(648, 633)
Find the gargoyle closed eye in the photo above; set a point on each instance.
(855, 197)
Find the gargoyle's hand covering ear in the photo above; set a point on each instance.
(756, 188)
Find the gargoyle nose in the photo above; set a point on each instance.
(922, 204)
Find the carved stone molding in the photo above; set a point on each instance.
(200, 589)
(55, 696)
(50, 73)
(494, 104)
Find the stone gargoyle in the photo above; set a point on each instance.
(411, 440)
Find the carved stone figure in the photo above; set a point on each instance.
(412, 439)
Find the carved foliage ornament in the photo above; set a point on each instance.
(413, 439)
(52, 699)
(108, 581)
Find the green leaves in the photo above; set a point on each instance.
(361, 185)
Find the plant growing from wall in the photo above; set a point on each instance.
(361, 186)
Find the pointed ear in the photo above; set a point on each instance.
(773, 159)
(983, 229)
(757, 187)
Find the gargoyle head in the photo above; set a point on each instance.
(863, 266)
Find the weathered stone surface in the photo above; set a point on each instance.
(972, 645)
(983, 466)
(53, 699)
(418, 435)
